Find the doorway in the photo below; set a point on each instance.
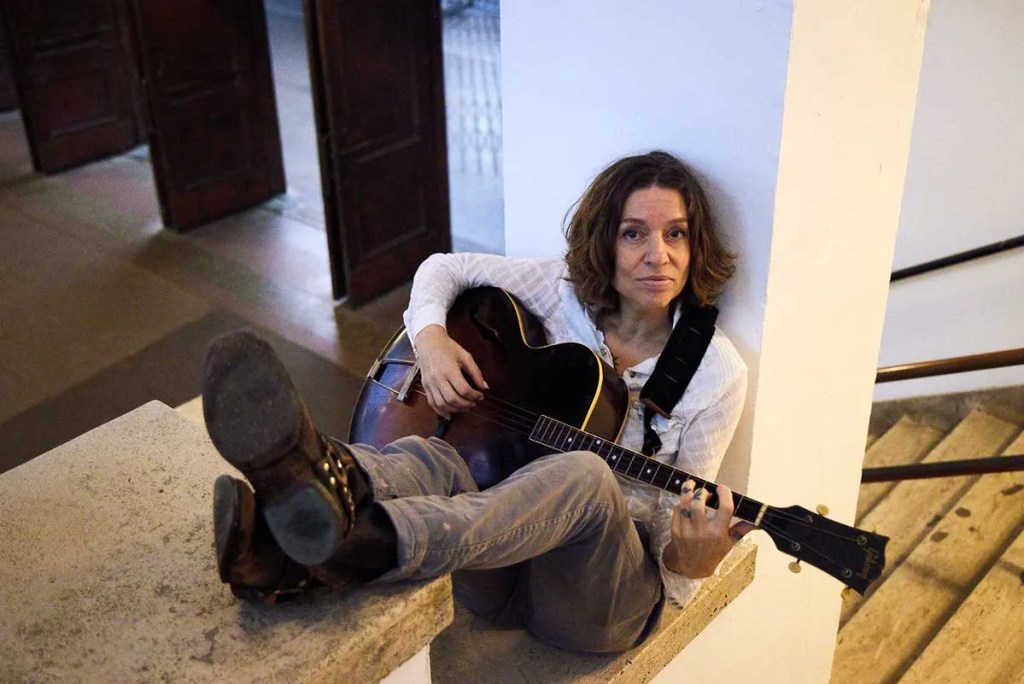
(471, 38)
(471, 43)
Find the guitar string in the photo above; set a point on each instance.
(525, 420)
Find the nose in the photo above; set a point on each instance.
(657, 252)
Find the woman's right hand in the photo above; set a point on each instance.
(444, 365)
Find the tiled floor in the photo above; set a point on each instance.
(102, 309)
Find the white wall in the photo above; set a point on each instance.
(963, 190)
(807, 175)
(701, 79)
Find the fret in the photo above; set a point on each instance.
(649, 470)
(560, 437)
(545, 433)
(553, 435)
(675, 485)
(635, 466)
(538, 430)
(613, 457)
(570, 438)
(662, 477)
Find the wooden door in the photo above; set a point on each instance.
(209, 108)
(8, 97)
(70, 69)
(378, 85)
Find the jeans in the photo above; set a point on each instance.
(551, 549)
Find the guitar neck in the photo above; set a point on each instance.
(562, 437)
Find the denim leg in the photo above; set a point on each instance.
(414, 466)
(585, 581)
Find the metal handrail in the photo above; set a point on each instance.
(958, 364)
(973, 466)
(917, 471)
(959, 258)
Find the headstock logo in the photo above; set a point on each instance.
(871, 558)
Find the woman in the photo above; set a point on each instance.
(562, 547)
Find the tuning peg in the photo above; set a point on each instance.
(822, 509)
(794, 567)
(848, 594)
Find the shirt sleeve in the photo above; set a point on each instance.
(442, 277)
(702, 445)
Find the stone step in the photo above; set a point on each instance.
(913, 507)
(112, 576)
(473, 650)
(896, 624)
(908, 441)
(983, 642)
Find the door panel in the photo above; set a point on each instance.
(8, 97)
(380, 114)
(210, 115)
(71, 70)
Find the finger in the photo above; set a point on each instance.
(726, 505)
(719, 522)
(740, 529)
(465, 391)
(469, 365)
(685, 495)
(682, 511)
(699, 510)
(438, 406)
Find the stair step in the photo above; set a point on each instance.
(910, 510)
(984, 640)
(908, 441)
(891, 629)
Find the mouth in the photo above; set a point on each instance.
(656, 282)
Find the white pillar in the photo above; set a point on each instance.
(799, 116)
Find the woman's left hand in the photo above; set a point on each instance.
(701, 538)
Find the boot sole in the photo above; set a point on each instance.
(252, 411)
(254, 418)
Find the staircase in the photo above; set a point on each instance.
(950, 605)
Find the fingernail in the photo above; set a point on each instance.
(686, 490)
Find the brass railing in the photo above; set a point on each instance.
(973, 466)
(958, 364)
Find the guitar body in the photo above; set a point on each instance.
(527, 378)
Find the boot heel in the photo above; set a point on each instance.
(305, 524)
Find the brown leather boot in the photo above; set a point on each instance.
(309, 486)
(248, 558)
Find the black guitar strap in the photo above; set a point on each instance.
(678, 362)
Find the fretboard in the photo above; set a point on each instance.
(562, 437)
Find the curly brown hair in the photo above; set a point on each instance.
(593, 230)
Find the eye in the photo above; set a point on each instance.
(629, 234)
(678, 233)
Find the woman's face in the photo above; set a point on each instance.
(652, 250)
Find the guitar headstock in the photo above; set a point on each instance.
(854, 557)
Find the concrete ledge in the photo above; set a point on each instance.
(107, 573)
(473, 650)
